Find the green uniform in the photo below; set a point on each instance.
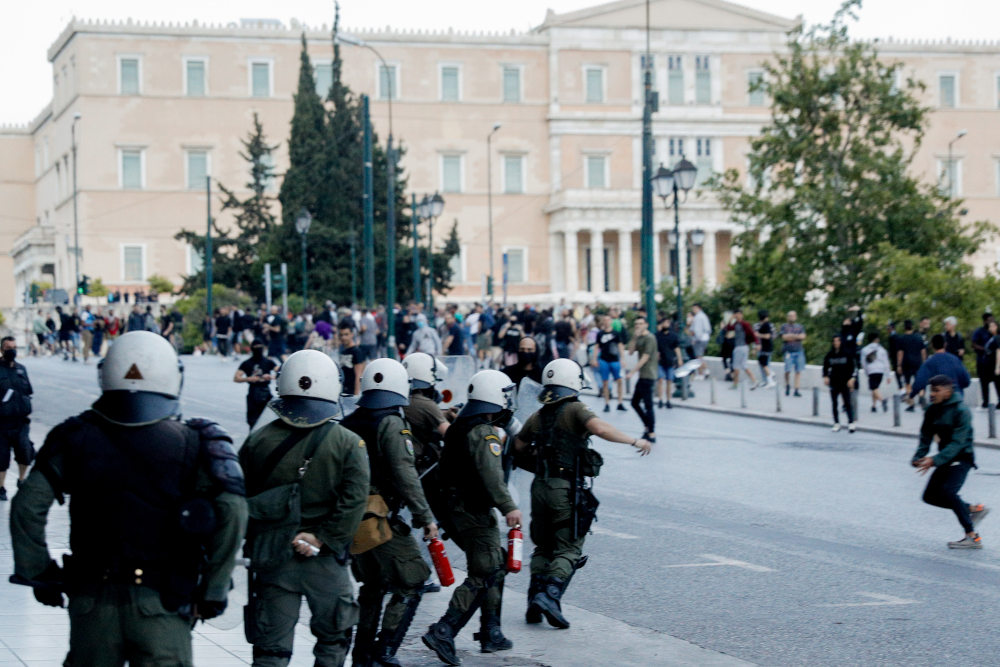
(425, 417)
(397, 566)
(119, 609)
(333, 494)
(552, 491)
(475, 472)
(646, 344)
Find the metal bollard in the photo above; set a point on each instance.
(815, 401)
(743, 394)
(991, 419)
(685, 389)
(897, 409)
(711, 389)
(777, 396)
(854, 404)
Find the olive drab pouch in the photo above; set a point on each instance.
(374, 529)
(591, 462)
(275, 514)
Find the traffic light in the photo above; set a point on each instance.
(83, 287)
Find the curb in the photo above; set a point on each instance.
(811, 421)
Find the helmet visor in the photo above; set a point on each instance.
(555, 393)
(136, 408)
(304, 412)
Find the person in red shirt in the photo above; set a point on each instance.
(743, 339)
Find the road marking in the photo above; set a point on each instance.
(879, 601)
(719, 561)
(610, 533)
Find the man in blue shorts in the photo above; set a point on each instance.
(607, 360)
(792, 334)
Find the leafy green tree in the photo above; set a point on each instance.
(98, 288)
(829, 187)
(443, 273)
(157, 282)
(236, 251)
(193, 309)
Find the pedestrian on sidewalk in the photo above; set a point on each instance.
(875, 361)
(701, 331)
(793, 353)
(725, 341)
(954, 343)
(669, 357)
(838, 375)
(765, 333)
(910, 355)
(743, 342)
(642, 395)
(984, 370)
(949, 420)
(941, 363)
(608, 353)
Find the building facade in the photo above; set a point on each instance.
(156, 108)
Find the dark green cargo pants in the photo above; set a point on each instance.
(478, 536)
(326, 585)
(118, 623)
(556, 552)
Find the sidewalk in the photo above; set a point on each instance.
(814, 406)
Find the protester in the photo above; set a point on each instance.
(701, 332)
(453, 343)
(352, 360)
(792, 351)
(838, 375)
(954, 343)
(642, 394)
(527, 365)
(669, 358)
(607, 356)
(875, 361)
(764, 331)
(743, 342)
(984, 367)
(941, 363)
(910, 356)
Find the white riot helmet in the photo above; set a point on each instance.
(384, 384)
(309, 386)
(489, 392)
(424, 370)
(141, 379)
(561, 378)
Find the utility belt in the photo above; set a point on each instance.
(556, 472)
(175, 587)
(589, 463)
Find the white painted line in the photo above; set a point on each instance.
(719, 561)
(610, 533)
(879, 601)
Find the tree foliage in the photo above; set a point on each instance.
(829, 190)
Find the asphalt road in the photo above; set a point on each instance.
(773, 542)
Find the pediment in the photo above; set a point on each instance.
(671, 15)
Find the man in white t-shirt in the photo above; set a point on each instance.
(701, 332)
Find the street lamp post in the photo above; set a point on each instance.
(430, 208)
(76, 226)
(414, 221)
(302, 227)
(489, 201)
(951, 163)
(670, 183)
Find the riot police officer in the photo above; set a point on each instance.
(422, 413)
(156, 514)
(473, 476)
(306, 460)
(562, 508)
(395, 566)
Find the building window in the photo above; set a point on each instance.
(195, 260)
(950, 177)
(756, 95)
(388, 82)
(703, 160)
(195, 80)
(451, 173)
(456, 264)
(450, 91)
(948, 90)
(513, 174)
(271, 180)
(197, 168)
(597, 168)
(998, 90)
(133, 263)
(594, 77)
(675, 80)
(59, 179)
(676, 149)
(517, 264)
(702, 80)
(260, 78)
(511, 83)
(128, 75)
(324, 79)
(131, 176)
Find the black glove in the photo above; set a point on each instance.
(48, 586)
(211, 608)
(50, 596)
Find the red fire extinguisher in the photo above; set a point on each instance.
(441, 564)
(515, 546)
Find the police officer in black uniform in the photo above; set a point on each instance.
(15, 407)
(156, 515)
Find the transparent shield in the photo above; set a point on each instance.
(688, 368)
(527, 399)
(455, 388)
(348, 404)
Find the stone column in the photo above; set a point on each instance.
(571, 263)
(596, 261)
(708, 260)
(557, 267)
(624, 260)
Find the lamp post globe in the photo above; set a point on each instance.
(437, 205)
(685, 174)
(663, 181)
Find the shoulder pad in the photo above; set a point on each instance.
(208, 429)
(223, 464)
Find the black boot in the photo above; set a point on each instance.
(534, 613)
(491, 638)
(390, 639)
(440, 638)
(548, 600)
(370, 602)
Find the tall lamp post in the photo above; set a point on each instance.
(76, 227)
(429, 209)
(489, 202)
(670, 183)
(414, 221)
(302, 227)
(951, 163)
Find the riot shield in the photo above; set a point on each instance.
(348, 404)
(455, 388)
(688, 368)
(527, 399)
(233, 615)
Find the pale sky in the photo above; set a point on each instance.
(27, 29)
